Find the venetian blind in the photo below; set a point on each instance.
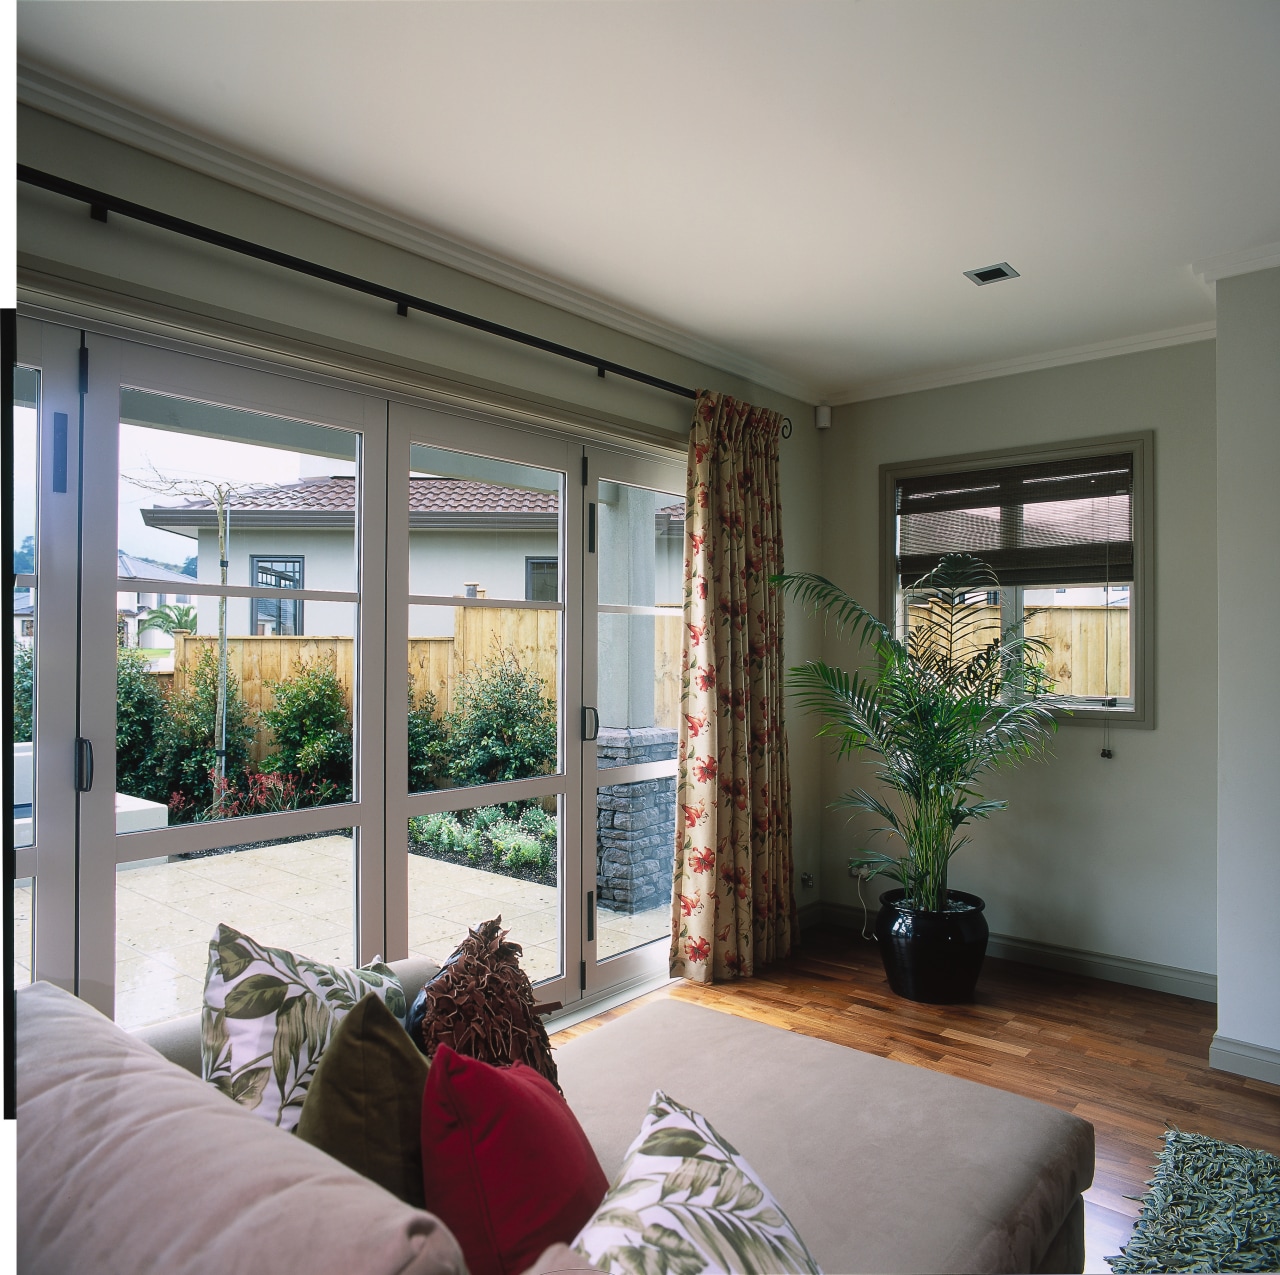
(1057, 522)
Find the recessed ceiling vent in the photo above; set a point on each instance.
(992, 274)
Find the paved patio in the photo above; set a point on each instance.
(298, 895)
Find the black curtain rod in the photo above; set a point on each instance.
(100, 204)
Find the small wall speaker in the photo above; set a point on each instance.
(822, 416)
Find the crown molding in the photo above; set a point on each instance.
(1242, 261)
(1028, 363)
(44, 91)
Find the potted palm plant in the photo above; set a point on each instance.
(955, 697)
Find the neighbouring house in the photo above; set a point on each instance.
(466, 538)
(24, 617)
(132, 608)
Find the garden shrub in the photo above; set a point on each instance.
(445, 832)
(428, 744)
(261, 793)
(502, 725)
(23, 687)
(185, 755)
(312, 731)
(142, 722)
(515, 848)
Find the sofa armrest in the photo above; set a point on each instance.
(126, 1163)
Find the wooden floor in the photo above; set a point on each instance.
(1129, 1061)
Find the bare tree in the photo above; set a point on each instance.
(221, 496)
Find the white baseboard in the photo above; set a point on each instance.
(1239, 1056)
(1114, 969)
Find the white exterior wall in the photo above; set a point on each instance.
(443, 562)
(328, 563)
(440, 563)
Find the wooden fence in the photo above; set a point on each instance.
(1090, 645)
(435, 663)
(1090, 648)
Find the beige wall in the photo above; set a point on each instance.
(62, 252)
(1111, 857)
(1248, 691)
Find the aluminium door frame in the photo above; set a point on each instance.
(640, 966)
(51, 859)
(116, 362)
(472, 434)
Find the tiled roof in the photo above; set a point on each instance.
(131, 568)
(426, 495)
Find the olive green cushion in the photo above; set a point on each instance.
(364, 1106)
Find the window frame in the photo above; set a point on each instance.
(530, 562)
(255, 602)
(1141, 445)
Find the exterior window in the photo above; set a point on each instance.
(1066, 531)
(541, 583)
(276, 617)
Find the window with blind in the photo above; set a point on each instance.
(1066, 532)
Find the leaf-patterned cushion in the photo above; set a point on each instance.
(268, 1015)
(686, 1202)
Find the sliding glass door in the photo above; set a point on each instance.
(346, 674)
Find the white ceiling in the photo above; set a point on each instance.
(800, 183)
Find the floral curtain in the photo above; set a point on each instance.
(732, 907)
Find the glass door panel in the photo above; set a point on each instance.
(490, 751)
(634, 680)
(26, 398)
(225, 644)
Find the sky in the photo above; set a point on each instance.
(186, 456)
(176, 456)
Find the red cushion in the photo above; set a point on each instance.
(505, 1164)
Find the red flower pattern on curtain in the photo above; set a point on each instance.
(732, 906)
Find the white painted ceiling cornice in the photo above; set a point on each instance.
(1029, 363)
(44, 91)
(1246, 261)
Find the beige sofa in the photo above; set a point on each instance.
(126, 1163)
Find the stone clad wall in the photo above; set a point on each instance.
(635, 823)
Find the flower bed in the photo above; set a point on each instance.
(518, 840)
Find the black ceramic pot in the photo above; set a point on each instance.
(932, 956)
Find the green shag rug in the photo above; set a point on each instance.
(1210, 1207)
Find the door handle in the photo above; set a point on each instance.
(84, 764)
(591, 916)
(594, 731)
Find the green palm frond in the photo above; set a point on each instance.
(957, 698)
